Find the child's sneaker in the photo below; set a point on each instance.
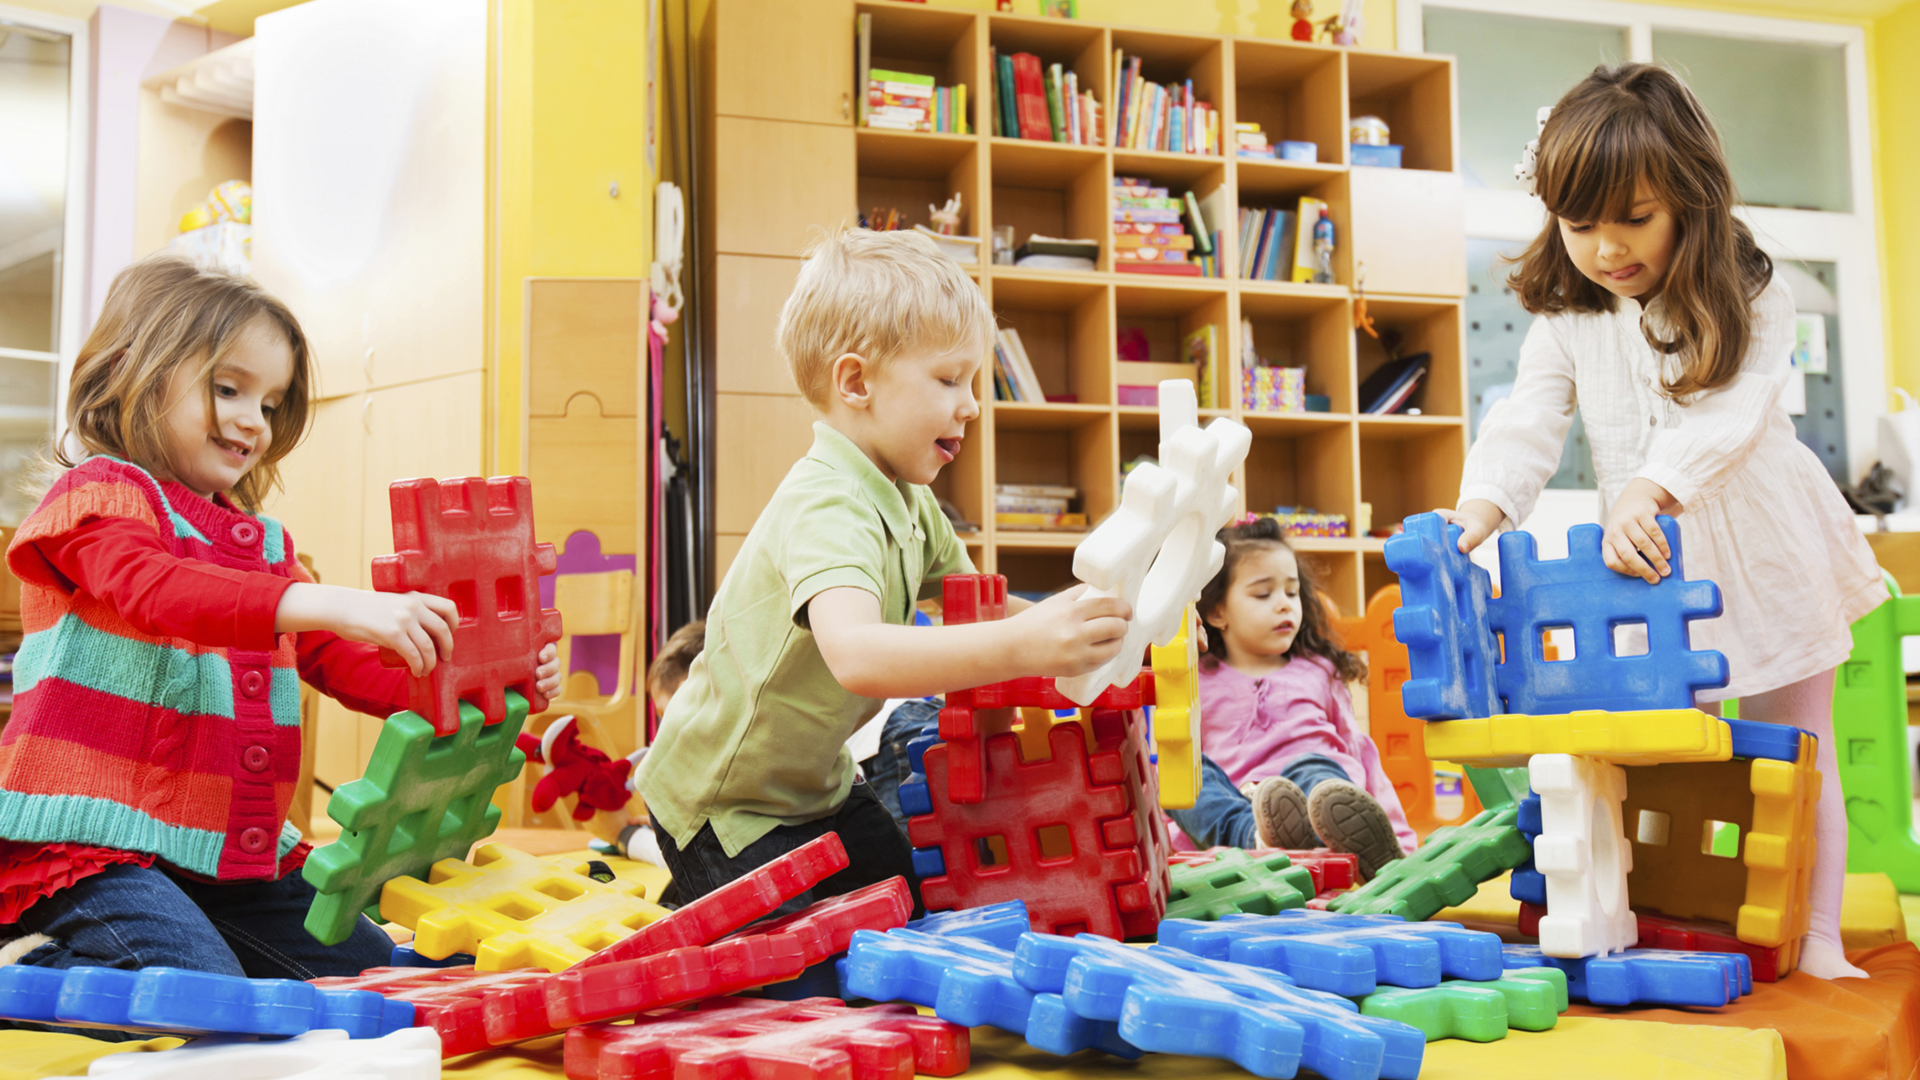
(1348, 819)
(1280, 812)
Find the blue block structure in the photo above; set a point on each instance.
(1647, 976)
(1580, 592)
(1776, 742)
(191, 1002)
(999, 925)
(1349, 955)
(404, 956)
(1442, 620)
(1169, 1001)
(1528, 884)
(969, 982)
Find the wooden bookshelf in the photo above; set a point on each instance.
(1401, 225)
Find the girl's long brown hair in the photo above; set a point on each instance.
(1623, 126)
(162, 312)
(1315, 637)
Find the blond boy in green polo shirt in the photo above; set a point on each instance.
(811, 629)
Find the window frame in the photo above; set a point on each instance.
(1849, 240)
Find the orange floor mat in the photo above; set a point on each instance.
(1849, 1029)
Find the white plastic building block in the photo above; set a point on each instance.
(1583, 853)
(1157, 550)
(326, 1054)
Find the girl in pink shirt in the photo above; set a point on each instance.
(1285, 765)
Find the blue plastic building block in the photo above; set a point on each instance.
(999, 925)
(1442, 620)
(1646, 976)
(404, 956)
(191, 1002)
(1580, 592)
(1776, 742)
(1349, 955)
(967, 981)
(1528, 885)
(1169, 1001)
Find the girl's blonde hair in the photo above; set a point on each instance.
(1620, 127)
(163, 312)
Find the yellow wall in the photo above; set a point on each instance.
(1895, 43)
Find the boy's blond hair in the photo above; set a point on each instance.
(876, 294)
(675, 658)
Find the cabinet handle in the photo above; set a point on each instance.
(366, 414)
(846, 106)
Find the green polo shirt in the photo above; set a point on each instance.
(756, 737)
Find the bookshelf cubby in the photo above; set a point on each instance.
(1334, 461)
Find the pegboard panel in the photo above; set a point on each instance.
(1824, 426)
(1496, 325)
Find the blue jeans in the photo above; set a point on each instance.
(888, 768)
(130, 917)
(1222, 817)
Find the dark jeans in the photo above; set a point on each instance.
(131, 917)
(876, 851)
(1222, 817)
(889, 767)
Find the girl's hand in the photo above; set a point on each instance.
(416, 625)
(1633, 543)
(1064, 635)
(546, 677)
(1477, 519)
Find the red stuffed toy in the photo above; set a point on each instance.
(574, 768)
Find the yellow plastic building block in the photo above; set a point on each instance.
(514, 910)
(1651, 737)
(1668, 817)
(1176, 717)
(1870, 913)
(1779, 854)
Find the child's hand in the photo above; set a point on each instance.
(1633, 543)
(1477, 519)
(1065, 635)
(417, 626)
(546, 677)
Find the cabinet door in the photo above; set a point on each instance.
(758, 437)
(749, 294)
(321, 481)
(791, 60)
(776, 182)
(1408, 228)
(427, 429)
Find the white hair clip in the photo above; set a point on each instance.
(1530, 161)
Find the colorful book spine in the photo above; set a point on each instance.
(1007, 105)
(1056, 116)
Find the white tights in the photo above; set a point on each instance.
(1808, 705)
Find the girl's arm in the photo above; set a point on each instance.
(1519, 443)
(350, 673)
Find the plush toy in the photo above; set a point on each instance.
(574, 768)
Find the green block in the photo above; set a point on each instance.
(423, 798)
(1451, 1010)
(1446, 870)
(1535, 996)
(1237, 882)
(1498, 787)
(1870, 739)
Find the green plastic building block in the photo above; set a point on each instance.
(1498, 787)
(423, 798)
(1530, 999)
(1237, 882)
(1446, 870)
(1870, 737)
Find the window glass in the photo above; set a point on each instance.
(33, 184)
(1782, 112)
(1509, 67)
(1496, 325)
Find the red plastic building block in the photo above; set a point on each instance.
(827, 927)
(1333, 871)
(1683, 935)
(1100, 805)
(733, 905)
(812, 1039)
(471, 541)
(472, 1010)
(968, 598)
(581, 995)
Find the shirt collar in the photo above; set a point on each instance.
(891, 498)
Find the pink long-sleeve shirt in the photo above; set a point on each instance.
(1253, 727)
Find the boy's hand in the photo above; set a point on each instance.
(546, 677)
(1633, 543)
(416, 625)
(1065, 635)
(1477, 519)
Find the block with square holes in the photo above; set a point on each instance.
(1644, 737)
(1235, 881)
(1349, 955)
(471, 541)
(811, 1039)
(1645, 976)
(1528, 999)
(1446, 870)
(1078, 836)
(471, 1010)
(1583, 853)
(184, 1002)
(322, 1054)
(1333, 871)
(514, 910)
(1870, 740)
(1176, 716)
(1442, 621)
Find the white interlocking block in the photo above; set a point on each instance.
(408, 1054)
(1157, 550)
(1582, 851)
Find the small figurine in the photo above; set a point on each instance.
(1323, 249)
(1346, 27)
(946, 219)
(1303, 20)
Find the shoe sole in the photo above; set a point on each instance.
(1280, 810)
(1348, 819)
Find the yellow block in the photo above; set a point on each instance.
(1176, 717)
(1870, 913)
(1779, 852)
(1651, 737)
(1492, 904)
(514, 910)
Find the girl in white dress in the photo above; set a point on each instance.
(1660, 318)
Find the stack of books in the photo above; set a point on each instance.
(1013, 374)
(1392, 386)
(1148, 116)
(1250, 141)
(1149, 236)
(1036, 507)
(1043, 102)
(1266, 244)
(906, 102)
(1266, 389)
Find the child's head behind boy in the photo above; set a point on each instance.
(883, 335)
(1264, 607)
(671, 664)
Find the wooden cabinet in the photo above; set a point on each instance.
(1408, 231)
(790, 60)
(776, 182)
(761, 436)
(751, 291)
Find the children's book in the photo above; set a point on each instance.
(1391, 386)
(1025, 377)
(1007, 100)
(1202, 347)
(1030, 88)
(1056, 111)
(1303, 260)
